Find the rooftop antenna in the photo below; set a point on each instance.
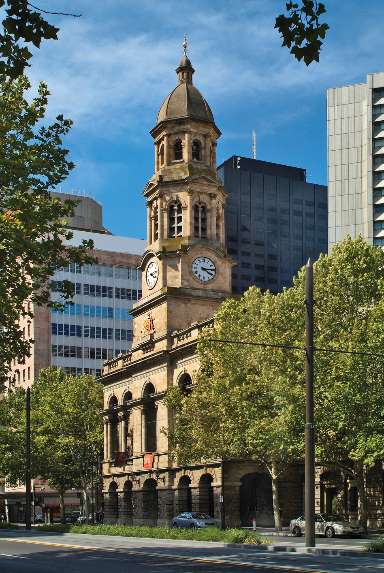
(254, 144)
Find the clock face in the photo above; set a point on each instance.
(152, 274)
(203, 269)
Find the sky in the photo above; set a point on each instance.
(111, 69)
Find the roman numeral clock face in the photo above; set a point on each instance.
(203, 269)
(152, 274)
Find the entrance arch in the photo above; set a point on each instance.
(206, 504)
(111, 504)
(150, 502)
(256, 500)
(126, 511)
(184, 495)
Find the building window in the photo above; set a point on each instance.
(178, 150)
(155, 223)
(196, 150)
(161, 155)
(200, 220)
(150, 415)
(175, 220)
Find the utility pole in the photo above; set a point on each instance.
(309, 417)
(28, 458)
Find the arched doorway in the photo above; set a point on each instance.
(111, 504)
(206, 504)
(184, 495)
(150, 502)
(126, 508)
(256, 500)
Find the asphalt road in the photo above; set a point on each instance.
(19, 556)
(25, 558)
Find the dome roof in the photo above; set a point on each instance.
(185, 101)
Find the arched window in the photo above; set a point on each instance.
(200, 221)
(114, 428)
(196, 150)
(175, 220)
(127, 438)
(155, 223)
(185, 384)
(161, 155)
(150, 415)
(178, 150)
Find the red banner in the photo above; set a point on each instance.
(148, 461)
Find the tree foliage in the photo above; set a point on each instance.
(249, 400)
(66, 430)
(301, 29)
(32, 222)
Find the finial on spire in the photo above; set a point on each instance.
(185, 45)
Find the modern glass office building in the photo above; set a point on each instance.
(96, 325)
(275, 221)
(355, 119)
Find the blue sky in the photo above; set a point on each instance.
(112, 68)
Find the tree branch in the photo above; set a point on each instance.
(54, 13)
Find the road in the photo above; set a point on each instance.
(55, 555)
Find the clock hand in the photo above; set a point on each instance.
(207, 270)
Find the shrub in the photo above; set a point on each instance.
(376, 546)
(205, 534)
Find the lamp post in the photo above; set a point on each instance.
(309, 416)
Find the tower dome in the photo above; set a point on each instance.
(185, 101)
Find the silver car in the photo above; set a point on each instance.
(328, 525)
(189, 519)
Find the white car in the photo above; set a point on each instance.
(328, 525)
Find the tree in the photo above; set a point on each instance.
(32, 222)
(66, 432)
(349, 389)
(248, 402)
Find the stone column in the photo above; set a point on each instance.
(187, 155)
(122, 424)
(166, 508)
(160, 218)
(166, 150)
(232, 504)
(149, 223)
(106, 424)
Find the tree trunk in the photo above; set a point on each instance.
(275, 497)
(85, 505)
(361, 478)
(62, 506)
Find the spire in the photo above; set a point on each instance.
(185, 69)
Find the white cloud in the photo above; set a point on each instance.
(111, 69)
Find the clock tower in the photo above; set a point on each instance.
(186, 274)
(186, 270)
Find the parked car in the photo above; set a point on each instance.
(189, 519)
(328, 525)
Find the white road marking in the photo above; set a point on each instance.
(13, 556)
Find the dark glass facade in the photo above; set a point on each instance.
(275, 221)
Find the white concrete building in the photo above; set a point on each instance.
(355, 122)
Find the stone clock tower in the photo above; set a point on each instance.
(186, 271)
(186, 274)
